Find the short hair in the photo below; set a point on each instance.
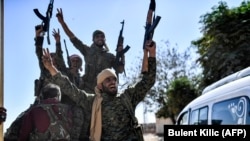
(50, 91)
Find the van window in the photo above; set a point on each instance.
(183, 119)
(230, 112)
(199, 116)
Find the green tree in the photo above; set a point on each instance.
(172, 63)
(225, 44)
(180, 92)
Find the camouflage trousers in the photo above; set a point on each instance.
(77, 122)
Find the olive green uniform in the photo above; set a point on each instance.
(96, 60)
(77, 131)
(116, 120)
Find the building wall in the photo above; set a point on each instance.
(160, 122)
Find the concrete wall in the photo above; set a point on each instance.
(160, 122)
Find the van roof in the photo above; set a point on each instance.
(235, 76)
(222, 89)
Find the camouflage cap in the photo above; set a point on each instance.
(105, 74)
(97, 32)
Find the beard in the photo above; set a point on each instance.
(99, 43)
(110, 91)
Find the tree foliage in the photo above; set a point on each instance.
(172, 63)
(179, 94)
(225, 44)
(222, 50)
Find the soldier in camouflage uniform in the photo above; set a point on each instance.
(12, 132)
(110, 119)
(78, 132)
(97, 57)
(75, 64)
(48, 120)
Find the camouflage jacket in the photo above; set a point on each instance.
(44, 73)
(78, 115)
(61, 65)
(77, 131)
(96, 60)
(115, 116)
(58, 121)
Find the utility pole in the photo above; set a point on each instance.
(1, 61)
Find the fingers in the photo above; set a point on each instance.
(46, 55)
(2, 109)
(3, 114)
(59, 12)
(56, 33)
(150, 45)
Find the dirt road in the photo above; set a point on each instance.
(152, 137)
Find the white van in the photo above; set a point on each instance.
(225, 102)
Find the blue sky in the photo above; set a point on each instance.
(179, 25)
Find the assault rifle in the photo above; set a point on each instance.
(120, 54)
(151, 23)
(46, 20)
(68, 58)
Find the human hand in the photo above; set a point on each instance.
(59, 15)
(151, 48)
(47, 62)
(39, 30)
(3, 114)
(56, 35)
(120, 47)
(47, 59)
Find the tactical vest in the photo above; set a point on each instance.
(59, 129)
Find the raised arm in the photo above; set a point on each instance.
(59, 53)
(68, 88)
(65, 27)
(138, 91)
(39, 48)
(47, 62)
